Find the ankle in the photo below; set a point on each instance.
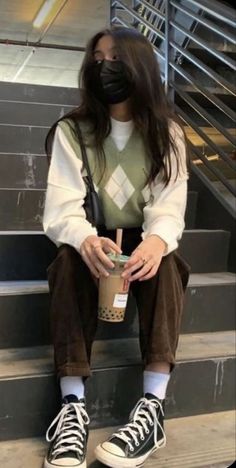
(160, 366)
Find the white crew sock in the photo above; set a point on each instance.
(72, 386)
(155, 383)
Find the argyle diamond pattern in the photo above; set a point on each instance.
(119, 187)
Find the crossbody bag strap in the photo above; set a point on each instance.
(84, 157)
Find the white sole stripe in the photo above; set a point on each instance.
(114, 461)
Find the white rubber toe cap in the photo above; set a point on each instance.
(66, 462)
(113, 449)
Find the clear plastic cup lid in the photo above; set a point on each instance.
(118, 258)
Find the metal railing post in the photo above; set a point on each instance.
(168, 51)
(112, 12)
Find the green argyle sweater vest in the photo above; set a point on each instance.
(123, 188)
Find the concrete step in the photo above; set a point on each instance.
(202, 441)
(31, 114)
(35, 94)
(22, 205)
(210, 306)
(205, 250)
(202, 382)
(25, 255)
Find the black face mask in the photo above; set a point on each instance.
(111, 82)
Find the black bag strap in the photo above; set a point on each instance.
(94, 210)
(84, 157)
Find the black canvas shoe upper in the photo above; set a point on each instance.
(68, 433)
(144, 430)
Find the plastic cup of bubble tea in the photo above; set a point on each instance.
(113, 292)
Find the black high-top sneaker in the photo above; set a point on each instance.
(68, 435)
(132, 444)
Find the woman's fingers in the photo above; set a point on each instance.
(142, 272)
(137, 260)
(94, 250)
(95, 265)
(108, 245)
(92, 268)
(147, 267)
(99, 266)
(94, 253)
(134, 266)
(132, 261)
(99, 253)
(149, 275)
(99, 257)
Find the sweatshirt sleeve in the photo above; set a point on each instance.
(64, 219)
(164, 215)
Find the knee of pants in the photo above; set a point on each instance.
(66, 251)
(65, 256)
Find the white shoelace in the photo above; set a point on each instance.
(70, 432)
(144, 412)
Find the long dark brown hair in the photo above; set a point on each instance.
(150, 109)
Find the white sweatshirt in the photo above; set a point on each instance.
(64, 218)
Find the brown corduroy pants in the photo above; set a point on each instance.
(74, 303)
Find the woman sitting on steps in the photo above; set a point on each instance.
(137, 156)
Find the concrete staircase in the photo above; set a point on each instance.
(187, 446)
(202, 385)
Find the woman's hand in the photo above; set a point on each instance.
(146, 258)
(93, 251)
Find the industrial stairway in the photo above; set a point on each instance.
(201, 393)
(201, 384)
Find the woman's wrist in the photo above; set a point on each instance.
(162, 245)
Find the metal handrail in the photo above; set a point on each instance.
(156, 15)
(200, 19)
(213, 169)
(152, 8)
(212, 98)
(203, 113)
(212, 145)
(187, 120)
(127, 25)
(140, 19)
(172, 48)
(211, 73)
(219, 55)
(220, 11)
